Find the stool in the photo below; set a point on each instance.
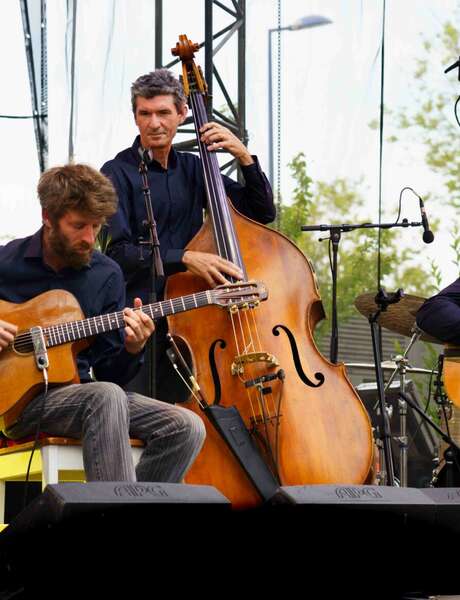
(55, 459)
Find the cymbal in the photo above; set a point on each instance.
(399, 317)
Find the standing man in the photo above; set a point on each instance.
(178, 198)
(76, 200)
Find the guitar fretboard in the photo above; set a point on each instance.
(77, 330)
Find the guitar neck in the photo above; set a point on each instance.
(85, 328)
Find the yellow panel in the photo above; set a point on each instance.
(72, 476)
(13, 466)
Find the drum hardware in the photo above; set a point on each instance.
(389, 365)
(398, 317)
(446, 472)
(382, 302)
(395, 312)
(402, 365)
(335, 235)
(446, 468)
(452, 453)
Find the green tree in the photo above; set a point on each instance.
(432, 120)
(337, 202)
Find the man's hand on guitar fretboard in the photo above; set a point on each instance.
(7, 333)
(139, 327)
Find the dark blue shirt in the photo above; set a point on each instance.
(99, 288)
(440, 315)
(178, 200)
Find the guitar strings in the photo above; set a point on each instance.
(82, 328)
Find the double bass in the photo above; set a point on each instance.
(300, 410)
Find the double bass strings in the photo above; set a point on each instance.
(219, 211)
(210, 182)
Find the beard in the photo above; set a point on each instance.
(74, 257)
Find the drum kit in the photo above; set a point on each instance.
(400, 318)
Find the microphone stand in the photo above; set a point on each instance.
(335, 236)
(383, 300)
(455, 65)
(156, 270)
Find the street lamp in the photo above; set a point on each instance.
(302, 23)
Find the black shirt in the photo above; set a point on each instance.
(178, 200)
(99, 289)
(440, 315)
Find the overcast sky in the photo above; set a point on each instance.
(330, 94)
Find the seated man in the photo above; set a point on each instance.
(76, 200)
(439, 316)
(178, 198)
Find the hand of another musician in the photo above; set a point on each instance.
(217, 137)
(139, 327)
(210, 267)
(7, 333)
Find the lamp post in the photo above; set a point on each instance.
(302, 23)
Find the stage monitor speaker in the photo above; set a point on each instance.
(363, 508)
(423, 442)
(447, 501)
(66, 501)
(387, 534)
(101, 530)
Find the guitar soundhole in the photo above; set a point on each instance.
(23, 344)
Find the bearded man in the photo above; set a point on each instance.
(76, 200)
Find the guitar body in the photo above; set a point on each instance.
(67, 332)
(20, 377)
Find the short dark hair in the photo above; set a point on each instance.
(76, 187)
(158, 83)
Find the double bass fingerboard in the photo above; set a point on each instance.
(224, 232)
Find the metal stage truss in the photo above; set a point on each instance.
(232, 116)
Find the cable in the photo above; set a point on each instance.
(455, 110)
(37, 435)
(425, 410)
(400, 199)
(44, 116)
(382, 81)
(278, 139)
(329, 250)
(72, 77)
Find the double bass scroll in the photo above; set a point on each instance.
(309, 424)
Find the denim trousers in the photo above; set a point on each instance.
(104, 417)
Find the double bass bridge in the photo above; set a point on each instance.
(237, 367)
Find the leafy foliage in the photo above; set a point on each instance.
(337, 202)
(432, 119)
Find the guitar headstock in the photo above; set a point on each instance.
(243, 294)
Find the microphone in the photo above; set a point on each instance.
(146, 157)
(428, 236)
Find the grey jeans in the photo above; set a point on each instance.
(104, 417)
